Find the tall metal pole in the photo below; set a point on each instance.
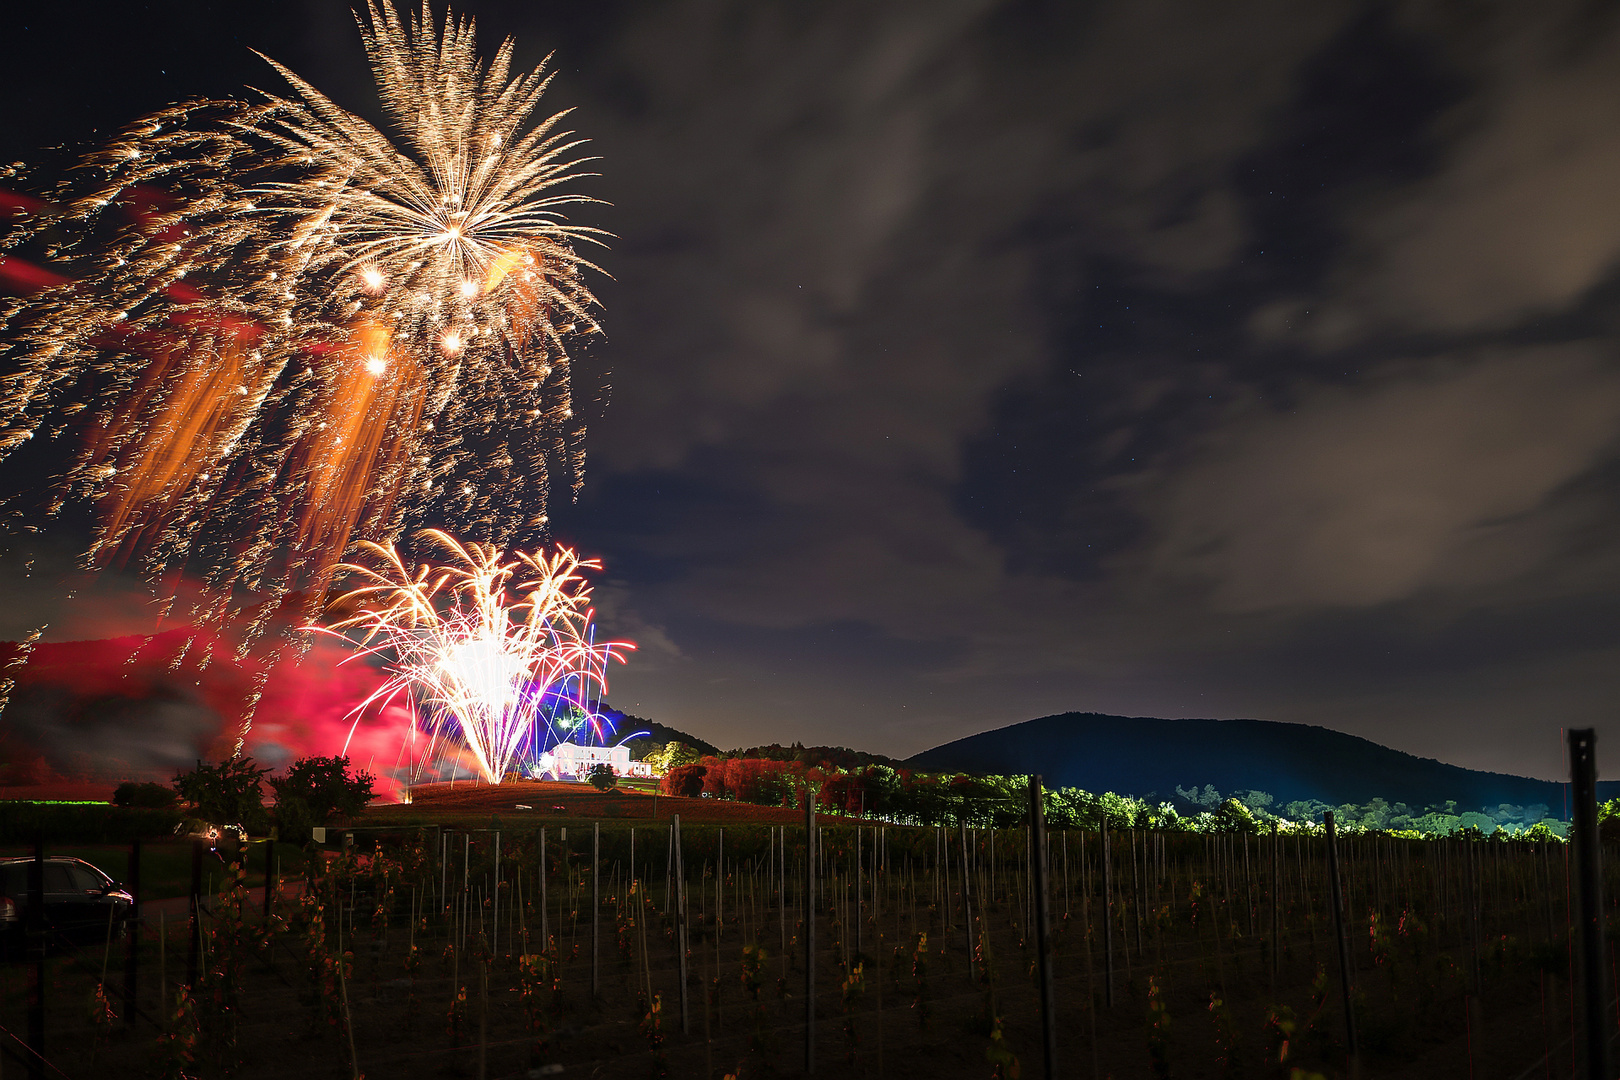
(1043, 918)
(1583, 807)
(809, 930)
(1344, 945)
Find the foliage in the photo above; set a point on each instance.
(671, 755)
(149, 796)
(685, 780)
(314, 791)
(826, 757)
(902, 796)
(226, 793)
(1233, 816)
(602, 777)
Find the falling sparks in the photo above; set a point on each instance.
(482, 649)
(280, 329)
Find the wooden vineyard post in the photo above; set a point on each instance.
(596, 908)
(781, 893)
(1588, 884)
(1344, 946)
(269, 871)
(1276, 897)
(860, 902)
(1043, 935)
(1108, 918)
(680, 921)
(36, 969)
(809, 930)
(193, 955)
(967, 908)
(545, 926)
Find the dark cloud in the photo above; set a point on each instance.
(1446, 476)
(976, 360)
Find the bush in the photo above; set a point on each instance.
(685, 780)
(227, 793)
(314, 791)
(144, 795)
(602, 777)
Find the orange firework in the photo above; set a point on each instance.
(281, 329)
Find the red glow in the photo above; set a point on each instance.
(139, 708)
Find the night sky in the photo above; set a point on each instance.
(968, 362)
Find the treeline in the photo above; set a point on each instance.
(905, 797)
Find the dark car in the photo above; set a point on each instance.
(81, 903)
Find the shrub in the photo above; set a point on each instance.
(149, 796)
(602, 777)
(227, 793)
(314, 791)
(686, 780)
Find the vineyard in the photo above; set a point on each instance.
(612, 949)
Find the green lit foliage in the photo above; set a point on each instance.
(671, 755)
(914, 798)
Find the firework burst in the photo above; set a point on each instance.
(279, 328)
(482, 649)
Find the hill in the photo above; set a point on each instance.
(1138, 755)
(626, 724)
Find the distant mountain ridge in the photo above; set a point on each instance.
(1139, 755)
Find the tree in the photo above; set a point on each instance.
(150, 795)
(671, 755)
(227, 793)
(1232, 816)
(314, 791)
(602, 777)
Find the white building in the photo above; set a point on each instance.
(573, 760)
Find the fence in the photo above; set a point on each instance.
(491, 954)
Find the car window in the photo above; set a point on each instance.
(14, 881)
(58, 879)
(86, 878)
